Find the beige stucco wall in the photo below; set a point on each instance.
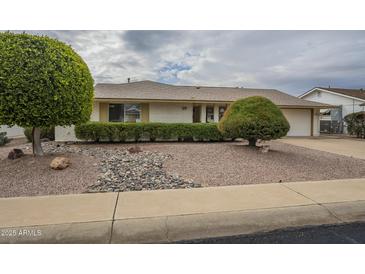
(145, 112)
(171, 112)
(12, 132)
(67, 134)
(95, 116)
(299, 119)
(103, 112)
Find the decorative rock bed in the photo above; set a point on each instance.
(125, 171)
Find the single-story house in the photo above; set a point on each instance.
(346, 101)
(148, 101)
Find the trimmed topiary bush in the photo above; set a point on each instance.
(356, 124)
(46, 132)
(122, 132)
(254, 118)
(43, 83)
(3, 138)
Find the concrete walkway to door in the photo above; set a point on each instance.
(339, 145)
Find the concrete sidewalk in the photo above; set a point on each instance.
(173, 215)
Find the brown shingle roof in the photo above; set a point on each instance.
(149, 90)
(357, 93)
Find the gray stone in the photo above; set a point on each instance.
(121, 170)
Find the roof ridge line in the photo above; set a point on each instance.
(189, 86)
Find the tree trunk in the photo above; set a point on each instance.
(252, 142)
(37, 147)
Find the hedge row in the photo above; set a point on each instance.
(122, 132)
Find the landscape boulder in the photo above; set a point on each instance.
(264, 148)
(60, 163)
(15, 154)
(135, 149)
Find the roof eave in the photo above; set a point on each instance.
(330, 91)
(199, 101)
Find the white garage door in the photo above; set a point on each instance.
(299, 120)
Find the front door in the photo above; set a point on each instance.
(196, 114)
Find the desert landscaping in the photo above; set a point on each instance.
(165, 165)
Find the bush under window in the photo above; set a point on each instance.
(122, 132)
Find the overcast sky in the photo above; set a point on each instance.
(291, 61)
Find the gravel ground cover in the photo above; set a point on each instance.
(111, 167)
(219, 164)
(234, 163)
(14, 143)
(93, 169)
(28, 176)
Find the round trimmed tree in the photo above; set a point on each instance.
(254, 118)
(43, 83)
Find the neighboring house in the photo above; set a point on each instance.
(148, 101)
(346, 101)
(12, 132)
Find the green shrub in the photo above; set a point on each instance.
(356, 124)
(46, 132)
(43, 83)
(254, 118)
(3, 138)
(122, 132)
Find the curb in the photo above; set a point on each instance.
(210, 225)
(170, 229)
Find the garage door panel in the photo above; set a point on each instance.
(299, 120)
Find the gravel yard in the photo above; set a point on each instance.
(93, 169)
(219, 164)
(29, 176)
(111, 167)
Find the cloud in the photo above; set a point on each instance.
(292, 61)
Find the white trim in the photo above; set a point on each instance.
(332, 92)
(216, 113)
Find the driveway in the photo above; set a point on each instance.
(343, 146)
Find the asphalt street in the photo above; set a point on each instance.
(353, 233)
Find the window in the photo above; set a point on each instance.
(210, 114)
(222, 109)
(130, 113)
(116, 112)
